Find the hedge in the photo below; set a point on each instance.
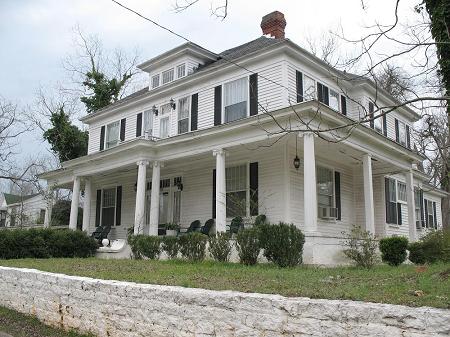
(45, 243)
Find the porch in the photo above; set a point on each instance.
(335, 185)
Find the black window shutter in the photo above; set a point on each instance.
(299, 86)
(218, 105)
(139, 125)
(102, 138)
(399, 213)
(372, 122)
(343, 105)
(194, 112)
(384, 126)
(386, 193)
(254, 189)
(408, 137)
(422, 217)
(434, 213)
(253, 83)
(320, 92)
(426, 214)
(397, 135)
(337, 188)
(214, 195)
(98, 205)
(123, 123)
(118, 205)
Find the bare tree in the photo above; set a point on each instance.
(217, 8)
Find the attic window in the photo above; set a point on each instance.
(155, 81)
(167, 76)
(181, 70)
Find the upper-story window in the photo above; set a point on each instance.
(155, 81)
(164, 120)
(112, 134)
(334, 100)
(378, 122)
(147, 126)
(402, 133)
(309, 88)
(181, 70)
(235, 99)
(183, 115)
(167, 76)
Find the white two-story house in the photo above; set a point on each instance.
(262, 128)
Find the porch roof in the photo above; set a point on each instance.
(248, 130)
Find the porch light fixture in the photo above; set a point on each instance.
(155, 110)
(172, 104)
(296, 159)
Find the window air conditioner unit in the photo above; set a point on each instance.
(328, 212)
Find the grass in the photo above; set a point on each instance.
(20, 325)
(407, 284)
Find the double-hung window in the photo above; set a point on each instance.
(2, 218)
(147, 126)
(155, 81)
(402, 133)
(164, 120)
(309, 90)
(235, 99)
(334, 100)
(112, 134)
(181, 70)
(183, 115)
(430, 214)
(395, 195)
(108, 207)
(401, 191)
(378, 122)
(237, 190)
(167, 76)
(325, 188)
(418, 207)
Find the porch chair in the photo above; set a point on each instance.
(193, 227)
(100, 233)
(206, 228)
(236, 224)
(260, 220)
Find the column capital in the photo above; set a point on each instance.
(219, 152)
(142, 162)
(157, 163)
(307, 133)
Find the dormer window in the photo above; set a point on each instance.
(181, 70)
(167, 76)
(155, 81)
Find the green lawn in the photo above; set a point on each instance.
(384, 284)
(19, 325)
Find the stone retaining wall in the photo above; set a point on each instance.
(113, 308)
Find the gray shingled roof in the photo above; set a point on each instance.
(13, 199)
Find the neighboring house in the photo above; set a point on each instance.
(207, 131)
(22, 211)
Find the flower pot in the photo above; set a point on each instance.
(171, 232)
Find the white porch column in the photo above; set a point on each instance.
(221, 192)
(75, 203)
(48, 210)
(309, 183)
(368, 194)
(139, 214)
(87, 204)
(154, 202)
(411, 205)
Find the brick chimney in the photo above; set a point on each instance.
(273, 24)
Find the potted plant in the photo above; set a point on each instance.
(172, 229)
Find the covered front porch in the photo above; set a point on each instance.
(240, 170)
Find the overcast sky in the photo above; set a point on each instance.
(35, 35)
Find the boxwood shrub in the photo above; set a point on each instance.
(45, 243)
(247, 245)
(193, 246)
(433, 247)
(282, 244)
(220, 247)
(393, 250)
